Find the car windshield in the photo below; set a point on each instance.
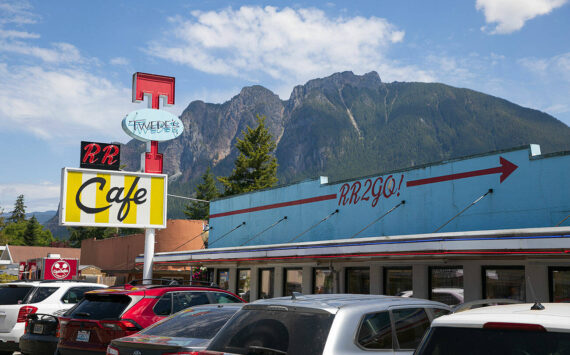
(13, 294)
(100, 306)
(476, 341)
(194, 323)
(275, 330)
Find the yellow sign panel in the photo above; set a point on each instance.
(102, 198)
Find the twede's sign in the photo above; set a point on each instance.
(101, 198)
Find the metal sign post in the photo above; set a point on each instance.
(144, 125)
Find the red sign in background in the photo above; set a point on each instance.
(60, 269)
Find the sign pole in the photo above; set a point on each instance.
(155, 86)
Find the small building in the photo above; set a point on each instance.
(116, 256)
(493, 225)
(12, 255)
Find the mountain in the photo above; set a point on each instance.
(42, 217)
(345, 126)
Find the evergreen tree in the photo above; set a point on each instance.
(255, 166)
(31, 231)
(19, 212)
(77, 234)
(207, 190)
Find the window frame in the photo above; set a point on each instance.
(484, 269)
(361, 268)
(271, 282)
(285, 269)
(551, 270)
(440, 267)
(385, 278)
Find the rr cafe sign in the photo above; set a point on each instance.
(100, 156)
(100, 198)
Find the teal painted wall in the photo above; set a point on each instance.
(535, 194)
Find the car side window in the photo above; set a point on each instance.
(375, 331)
(410, 325)
(42, 293)
(220, 297)
(75, 294)
(183, 300)
(164, 305)
(438, 312)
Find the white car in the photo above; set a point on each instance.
(517, 329)
(18, 299)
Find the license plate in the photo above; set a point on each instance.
(38, 328)
(83, 335)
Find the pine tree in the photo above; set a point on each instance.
(19, 212)
(207, 190)
(256, 166)
(31, 231)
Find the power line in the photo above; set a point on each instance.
(188, 198)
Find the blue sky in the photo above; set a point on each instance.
(66, 66)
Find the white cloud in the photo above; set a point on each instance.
(62, 104)
(16, 12)
(511, 15)
(60, 53)
(119, 61)
(45, 196)
(18, 34)
(289, 45)
(556, 68)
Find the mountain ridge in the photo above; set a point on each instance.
(348, 125)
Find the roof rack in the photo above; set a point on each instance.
(154, 283)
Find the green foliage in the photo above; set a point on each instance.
(19, 212)
(30, 237)
(77, 234)
(206, 190)
(27, 232)
(255, 167)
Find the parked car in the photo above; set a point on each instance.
(113, 313)
(339, 324)
(20, 298)
(448, 295)
(516, 329)
(185, 332)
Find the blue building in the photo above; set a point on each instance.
(494, 225)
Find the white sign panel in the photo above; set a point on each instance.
(102, 198)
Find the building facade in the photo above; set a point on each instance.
(488, 226)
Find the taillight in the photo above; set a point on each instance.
(120, 325)
(60, 324)
(192, 353)
(514, 326)
(112, 351)
(24, 311)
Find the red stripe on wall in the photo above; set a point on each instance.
(276, 205)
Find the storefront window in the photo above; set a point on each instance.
(504, 282)
(293, 281)
(243, 286)
(398, 281)
(446, 284)
(323, 280)
(266, 283)
(559, 284)
(358, 280)
(223, 278)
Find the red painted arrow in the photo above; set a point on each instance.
(505, 170)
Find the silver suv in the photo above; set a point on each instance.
(20, 298)
(337, 324)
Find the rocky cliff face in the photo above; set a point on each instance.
(348, 125)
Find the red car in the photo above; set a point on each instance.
(113, 313)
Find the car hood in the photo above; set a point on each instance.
(142, 340)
